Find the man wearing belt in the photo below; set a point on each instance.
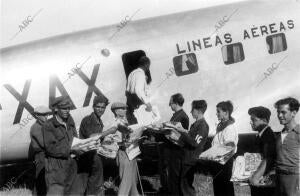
(58, 134)
(136, 89)
(288, 148)
(36, 149)
(127, 168)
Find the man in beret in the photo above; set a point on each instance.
(259, 120)
(127, 168)
(36, 149)
(58, 134)
(90, 161)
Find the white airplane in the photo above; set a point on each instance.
(246, 52)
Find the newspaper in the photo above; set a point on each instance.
(218, 153)
(244, 166)
(147, 118)
(84, 144)
(109, 146)
(133, 151)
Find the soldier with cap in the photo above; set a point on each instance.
(91, 162)
(259, 120)
(36, 149)
(58, 134)
(127, 168)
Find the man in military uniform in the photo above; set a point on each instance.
(58, 134)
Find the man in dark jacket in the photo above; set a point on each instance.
(193, 142)
(37, 151)
(260, 117)
(172, 154)
(90, 162)
(58, 133)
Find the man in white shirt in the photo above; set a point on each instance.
(127, 167)
(136, 89)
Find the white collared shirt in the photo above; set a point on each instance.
(229, 134)
(283, 135)
(136, 84)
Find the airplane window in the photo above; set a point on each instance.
(185, 64)
(130, 61)
(233, 53)
(276, 43)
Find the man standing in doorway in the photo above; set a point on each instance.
(136, 89)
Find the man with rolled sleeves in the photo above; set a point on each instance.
(58, 134)
(288, 148)
(90, 161)
(36, 149)
(260, 117)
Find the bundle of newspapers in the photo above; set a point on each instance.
(244, 166)
(109, 147)
(218, 153)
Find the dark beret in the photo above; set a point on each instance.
(260, 112)
(62, 102)
(100, 99)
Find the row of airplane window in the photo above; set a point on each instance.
(234, 53)
(187, 63)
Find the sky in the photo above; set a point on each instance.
(28, 20)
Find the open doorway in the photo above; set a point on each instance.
(136, 85)
(130, 62)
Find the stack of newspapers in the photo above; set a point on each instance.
(244, 166)
(218, 153)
